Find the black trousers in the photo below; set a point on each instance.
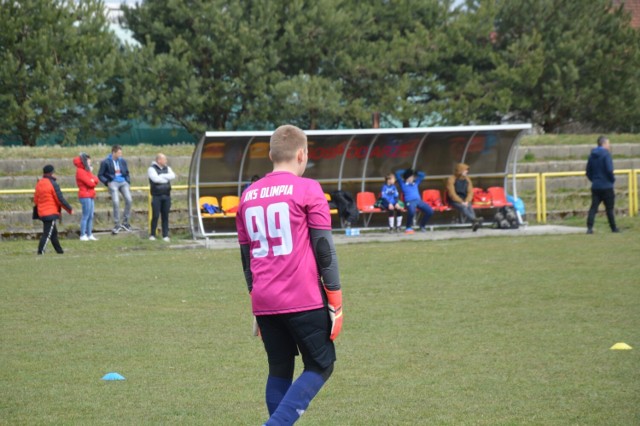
(160, 206)
(49, 232)
(606, 196)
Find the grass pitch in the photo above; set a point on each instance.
(486, 331)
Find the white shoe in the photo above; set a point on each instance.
(166, 239)
(84, 238)
(152, 238)
(92, 238)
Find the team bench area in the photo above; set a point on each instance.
(485, 203)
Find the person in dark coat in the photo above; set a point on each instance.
(49, 202)
(114, 173)
(600, 173)
(160, 177)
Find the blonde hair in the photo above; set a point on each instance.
(285, 142)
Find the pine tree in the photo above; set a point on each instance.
(56, 59)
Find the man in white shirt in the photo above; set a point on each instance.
(160, 177)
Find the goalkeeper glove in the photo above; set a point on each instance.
(334, 297)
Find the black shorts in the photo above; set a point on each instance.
(286, 335)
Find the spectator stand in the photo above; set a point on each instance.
(353, 161)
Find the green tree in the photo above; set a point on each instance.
(311, 102)
(56, 61)
(391, 66)
(203, 64)
(589, 62)
(241, 64)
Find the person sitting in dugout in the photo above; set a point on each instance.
(460, 194)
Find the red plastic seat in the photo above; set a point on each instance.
(498, 196)
(434, 199)
(481, 198)
(365, 202)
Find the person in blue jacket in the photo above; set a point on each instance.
(114, 173)
(391, 202)
(600, 173)
(409, 181)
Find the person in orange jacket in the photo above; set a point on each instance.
(87, 183)
(49, 201)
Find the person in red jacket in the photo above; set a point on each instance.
(49, 201)
(87, 183)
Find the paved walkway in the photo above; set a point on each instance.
(230, 242)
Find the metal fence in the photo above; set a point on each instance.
(541, 192)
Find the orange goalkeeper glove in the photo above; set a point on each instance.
(334, 297)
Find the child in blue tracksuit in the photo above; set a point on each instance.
(390, 202)
(409, 183)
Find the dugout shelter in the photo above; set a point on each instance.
(354, 160)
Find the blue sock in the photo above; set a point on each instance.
(297, 399)
(277, 387)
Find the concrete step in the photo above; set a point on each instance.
(33, 166)
(103, 219)
(574, 151)
(571, 165)
(69, 181)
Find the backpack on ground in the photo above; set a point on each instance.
(506, 218)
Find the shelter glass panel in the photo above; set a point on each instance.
(325, 156)
(440, 152)
(257, 161)
(392, 152)
(356, 157)
(488, 152)
(221, 158)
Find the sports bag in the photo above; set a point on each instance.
(506, 218)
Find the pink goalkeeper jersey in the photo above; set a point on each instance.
(274, 217)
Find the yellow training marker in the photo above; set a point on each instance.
(620, 346)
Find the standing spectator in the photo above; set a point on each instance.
(49, 201)
(289, 261)
(460, 194)
(114, 173)
(87, 183)
(600, 173)
(391, 202)
(410, 183)
(160, 177)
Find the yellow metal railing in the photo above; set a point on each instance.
(75, 190)
(541, 190)
(535, 176)
(632, 188)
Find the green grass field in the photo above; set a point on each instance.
(484, 331)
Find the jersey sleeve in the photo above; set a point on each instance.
(242, 232)
(317, 207)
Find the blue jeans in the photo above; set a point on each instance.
(425, 208)
(123, 188)
(467, 210)
(86, 223)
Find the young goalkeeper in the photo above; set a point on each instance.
(289, 262)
